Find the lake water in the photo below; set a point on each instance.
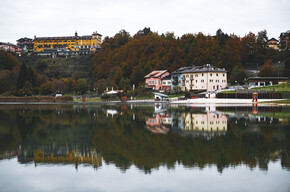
(144, 148)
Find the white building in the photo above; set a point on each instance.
(205, 77)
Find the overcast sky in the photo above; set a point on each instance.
(26, 18)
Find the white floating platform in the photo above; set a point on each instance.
(221, 101)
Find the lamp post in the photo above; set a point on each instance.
(236, 88)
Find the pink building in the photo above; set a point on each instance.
(10, 47)
(154, 79)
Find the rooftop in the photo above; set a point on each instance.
(68, 37)
(199, 69)
(155, 73)
(268, 78)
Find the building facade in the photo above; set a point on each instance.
(205, 77)
(26, 44)
(273, 44)
(154, 79)
(176, 78)
(266, 81)
(285, 40)
(166, 83)
(10, 47)
(68, 44)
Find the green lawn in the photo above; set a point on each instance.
(276, 88)
(91, 99)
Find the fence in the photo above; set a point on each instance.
(249, 95)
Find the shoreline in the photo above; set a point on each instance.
(200, 101)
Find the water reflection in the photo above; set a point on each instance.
(145, 136)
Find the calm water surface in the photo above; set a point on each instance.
(144, 148)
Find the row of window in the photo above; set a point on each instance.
(211, 80)
(196, 75)
(168, 83)
(204, 129)
(211, 122)
(153, 82)
(214, 87)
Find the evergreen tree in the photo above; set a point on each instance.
(22, 77)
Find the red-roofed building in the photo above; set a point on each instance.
(154, 79)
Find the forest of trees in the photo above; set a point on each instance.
(20, 80)
(124, 60)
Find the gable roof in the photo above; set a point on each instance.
(156, 74)
(273, 39)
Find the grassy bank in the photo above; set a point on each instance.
(37, 99)
(276, 88)
(89, 99)
(286, 101)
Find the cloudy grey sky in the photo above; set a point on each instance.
(26, 18)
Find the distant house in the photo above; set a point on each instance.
(154, 79)
(285, 40)
(266, 81)
(273, 43)
(26, 44)
(10, 47)
(205, 77)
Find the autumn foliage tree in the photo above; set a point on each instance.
(267, 70)
(125, 57)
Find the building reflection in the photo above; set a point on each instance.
(207, 124)
(91, 157)
(160, 121)
(59, 155)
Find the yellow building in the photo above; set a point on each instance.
(273, 43)
(68, 44)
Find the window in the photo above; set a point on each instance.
(211, 74)
(202, 80)
(217, 74)
(196, 81)
(217, 81)
(196, 75)
(213, 87)
(223, 75)
(186, 75)
(201, 74)
(191, 76)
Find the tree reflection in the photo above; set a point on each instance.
(125, 136)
